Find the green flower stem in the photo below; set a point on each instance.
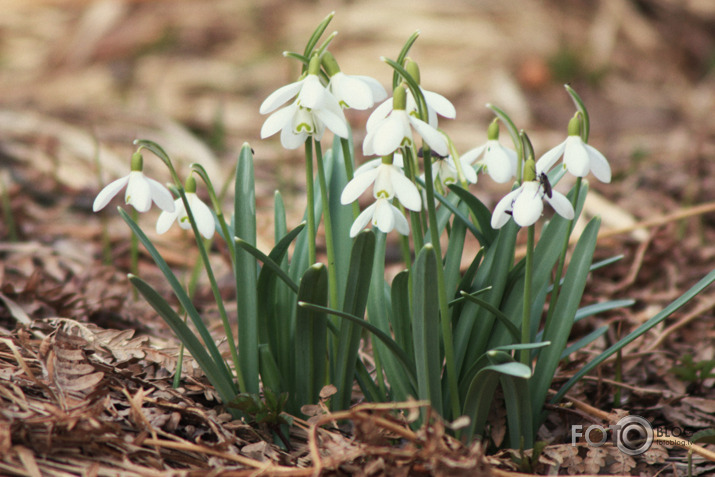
(217, 294)
(408, 159)
(329, 245)
(446, 322)
(311, 199)
(525, 354)
(562, 257)
(349, 170)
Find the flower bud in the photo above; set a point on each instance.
(399, 98)
(137, 162)
(575, 125)
(530, 169)
(493, 130)
(413, 69)
(330, 64)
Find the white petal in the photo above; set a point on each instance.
(529, 205)
(291, 140)
(334, 122)
(391, 133)
(280, 96)
(351, 91)
(312, 94)
(599, 164)
(108, 193)
(561, 205)
(278, 120)
(469, 173)
(401, 224)
(576, 157)
(440, 104)
(165, 219)
(357, 186)
(406, 192)
(383, 218)
(161, 195)
(547, 161)
(370, 165)
(378, 114)
(470, 156)
(202, 215)
(362, 220)
(138, 193)
(500, 216)
(377, 90)
(500, 162)
(431, 136)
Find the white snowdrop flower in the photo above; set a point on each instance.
(141, 190)
(579, 157)
(498, 161)
(202, 213)
(526, 203)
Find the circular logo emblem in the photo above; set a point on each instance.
(634, 435)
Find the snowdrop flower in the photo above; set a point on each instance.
(579, 157)
(201, 212)
(313, 110)
(352, 91)
(388, 181)
(525, 204)
(383, 215)
(498, 161)
(436, 103)
(395, 130)
(141, 190)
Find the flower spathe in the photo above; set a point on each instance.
(141, 192)
(202, 215)
(383, 215)
(526, 205)
(579, 159)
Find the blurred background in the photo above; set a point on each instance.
(81, 79)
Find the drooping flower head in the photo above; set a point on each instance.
(314, 109)
(579, 157)
(202, 213)
(394, 130)
(498, 161)
(388, 181)
(526, 205)
(141, 190)
(352, 91)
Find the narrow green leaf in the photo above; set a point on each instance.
(270, 261)
(270, 374)
(559, 329)
(354, 303)
(401, 314)
(513, 330)
(311, 336)
(403, 54)
(578, 102)
(589, 338)
(665, 313)
(180, 293)
(215, 371)
(426, 327)
(317, 33)
(398, 352)
(486, 234)
(246, 271)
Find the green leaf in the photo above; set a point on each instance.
(486, 234)
(582, 109)
(311, 336)
(270, 261)
(398, 353)
(426, 327)
(270, 374)
(403, 54)
(215, 371)
(665, 313)
(246, 271)
(592, 336)
(558, 330)
(354, 303)
(513, 330)
(401, 314)
(181, 295)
